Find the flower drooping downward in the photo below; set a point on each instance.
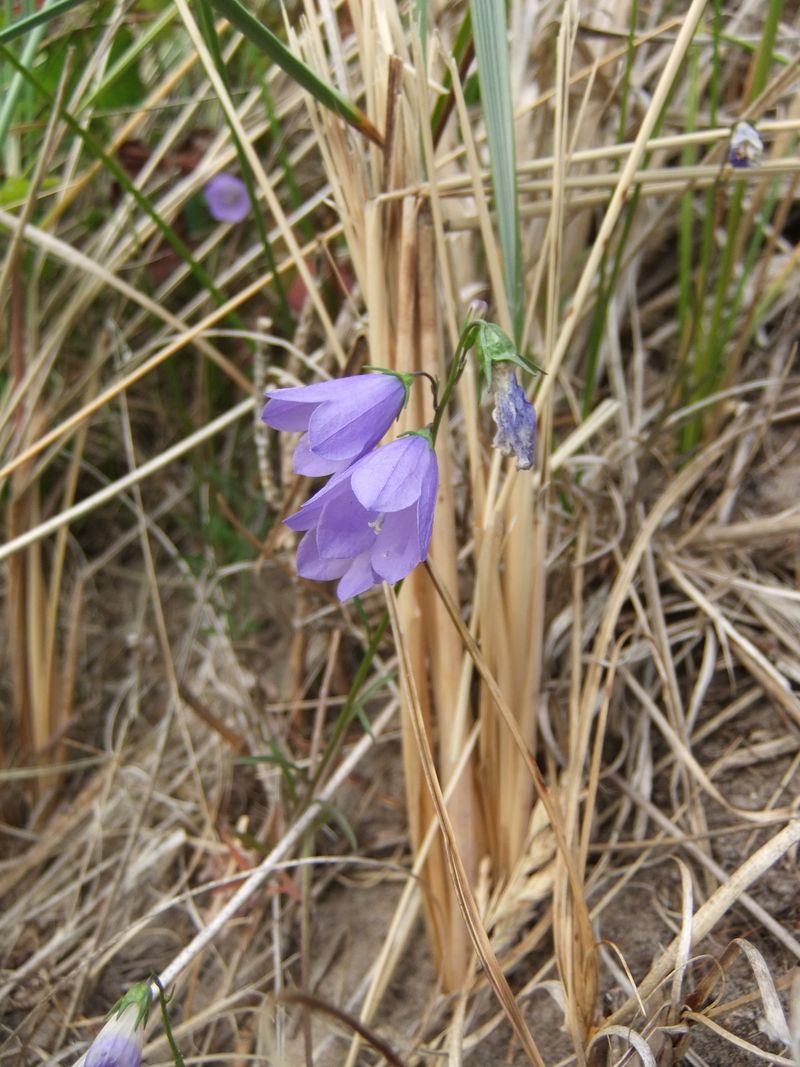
(343, 419)
(373, 521)
(227, 198)
(119, 1043)
(746, 147)
(514, 416)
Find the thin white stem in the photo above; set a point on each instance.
(263, 872)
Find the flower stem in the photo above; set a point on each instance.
(465, 342)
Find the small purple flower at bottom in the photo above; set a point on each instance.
(373, 521)
(227, 198)
(119, 1043)
(343, 419)
(514, 416)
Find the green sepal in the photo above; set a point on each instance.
(492, 346)
(405, 378)
(139, 995)
(424, 433)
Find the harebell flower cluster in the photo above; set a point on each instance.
(372, 521)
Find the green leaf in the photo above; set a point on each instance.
(323, 92)
(126, 88)
(491, 51)
(122, 64)
(38, 18)
(118, 172)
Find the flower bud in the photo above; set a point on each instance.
(119, 1043)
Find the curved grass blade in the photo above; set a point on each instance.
(38, 18)
(206, 23)
(323, 92)
(494, 77)
(119, 174)
(129, 57)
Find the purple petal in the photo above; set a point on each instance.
(426, 506)
(311, 565)
(390, 479)
(359, 417)
(313, 466)
(397, 550)
(227, 198)
(514, 415)
(115, 1050)
(310, 512)
(343, 529)
(358, 579)
(282, 414)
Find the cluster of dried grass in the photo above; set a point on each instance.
(598, 667)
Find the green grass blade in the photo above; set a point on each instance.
(463, 52)
(119, 174)
(12, 94)
(38, 18)
(323, 92)
(206, 23)
(125, 61)
(494, 77)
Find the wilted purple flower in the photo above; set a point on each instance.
(119, 1043)
(343, 418)
(514, 416)
(372, 522)
(746, 147)
(227, 198)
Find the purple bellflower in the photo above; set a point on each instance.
(227, 198)
(119, 1043)
(514, 416)
(746, 147)
(343, 419)
(371, 522)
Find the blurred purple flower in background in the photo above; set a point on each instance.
(227, 198)
(373, 521)
(746, 147)
(514, 416)
(343, 419)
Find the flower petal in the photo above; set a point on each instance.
(307, 462)
(358, 579)
(343, 528)
(358, 419)
(397, 550)
(282, 414)
(115, 1051)
(311, 565)
(310, 512)
(514, 415)
(390, 478)
(426, 506)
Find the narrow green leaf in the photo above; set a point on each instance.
(494, 76)
(38, 18)
(123, 63)
(206, 24)
(325, 93)
(118, 172)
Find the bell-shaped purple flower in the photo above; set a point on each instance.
(119, 1043)
(373, 521)
(514, 416)
(343, 419)
(227, 198)
(746, 147)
